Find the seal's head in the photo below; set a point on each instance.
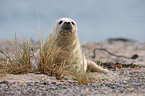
(66, 26)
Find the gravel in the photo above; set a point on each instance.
(119, 82)
(133, 85)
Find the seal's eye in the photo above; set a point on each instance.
(60, 22)
(73, 23)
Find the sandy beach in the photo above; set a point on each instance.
(120, 81)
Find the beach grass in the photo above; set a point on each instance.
(19, 61)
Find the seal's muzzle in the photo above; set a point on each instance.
(67, 26)
(66, 29)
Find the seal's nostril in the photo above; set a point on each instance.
(67, 23)
(67, 26)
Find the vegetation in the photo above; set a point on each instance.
(20, 60)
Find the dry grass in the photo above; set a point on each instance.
(80, 75)
(49, 52)
(20, 61)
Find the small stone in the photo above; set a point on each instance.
(18, 88)
(29, 87)
(46, 89)
(140, 59)
(42, 79)
(115, 91)
(11, 93)
(18, 93)
(99, 85)
(29, 84)
(131, 81)
(65, 87)
(83, 95)
(130, 90)
(69, 91)
(59, 84)
(90, 90)
(52, 88)
(46, 82)
(21, 85)
(61, 80)
(123, 82)
(70, 81)
(36, 82)
(109, 84)
(1, 92)
(102, 84)
(113, 87)
(25, 93)
(143, 91)
(118, 85)
(121, 91)
(34, 93)
(5, 82)
(66, 78)
(139, 84)
(44, 93)
(53, 82)
(5, 89)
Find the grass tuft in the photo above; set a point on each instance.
(82, 77)
(20, 59)
(49, 52)
(51, 61)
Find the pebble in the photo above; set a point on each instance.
(123, 82)
(127, 80)
(83, 95)
(136, 82)
(25, 93)
(11, 93)
(52, 88)
(5, 82)
(54, 82)
(46, 82)
(69, 91)
(65, 87)
(113, 87)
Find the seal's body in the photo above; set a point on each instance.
(65, 36)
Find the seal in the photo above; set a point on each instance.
(66, 37)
